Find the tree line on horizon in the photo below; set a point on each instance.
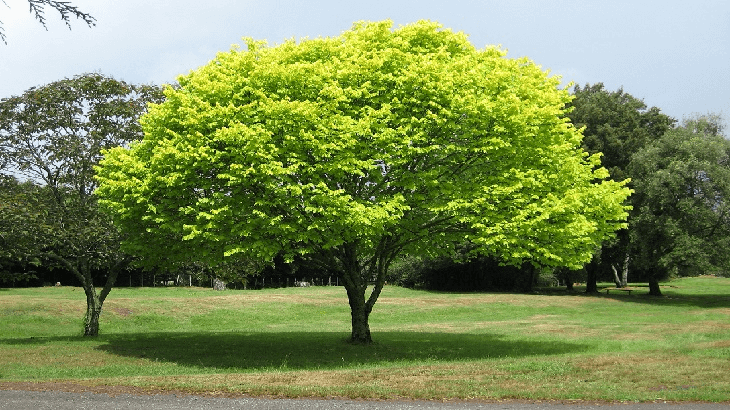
(402, 156)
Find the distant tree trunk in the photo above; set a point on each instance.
(591, 281)
(654, 289)
(616, 279)
(569, 284)
(623, 280)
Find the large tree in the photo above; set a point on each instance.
(64, 9)
(616, 125)
(351, 150)
(53, 136)
(680, 224)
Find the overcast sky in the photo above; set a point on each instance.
(672, 54)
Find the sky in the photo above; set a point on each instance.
(674, 55)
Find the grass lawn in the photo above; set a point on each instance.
(428, 345)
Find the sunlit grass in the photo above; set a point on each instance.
(430, 345)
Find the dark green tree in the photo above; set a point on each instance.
(680, 225)
(617, 125)
(66, 10)
(52, 136)
(22, 217)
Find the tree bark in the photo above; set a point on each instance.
(654, 289)
(591, 281)
(93, 311)
(616, 280)
(356, 275)
(625, 271)
(360, 314)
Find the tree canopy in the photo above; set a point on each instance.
(681, 220)
(616, 124)
(351, 150)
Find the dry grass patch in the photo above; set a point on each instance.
(436, 327)
(18, 305)
(719, 311)
(719, 344)
(705, 326)
(425, 382)
(646, 371)
(56, 356)
(203, 305)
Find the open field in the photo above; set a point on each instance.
(428, 345)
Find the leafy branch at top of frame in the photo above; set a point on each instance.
(64, 8)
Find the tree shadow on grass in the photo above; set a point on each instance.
(673, 299)
(671, 296)
(312, 350)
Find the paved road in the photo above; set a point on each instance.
(42, 400)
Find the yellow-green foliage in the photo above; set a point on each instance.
(409, 134)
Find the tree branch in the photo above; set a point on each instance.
(66, 10)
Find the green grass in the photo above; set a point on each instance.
(428, 345)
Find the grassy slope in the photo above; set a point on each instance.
(428, 345)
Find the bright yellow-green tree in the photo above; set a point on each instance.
(351, 150)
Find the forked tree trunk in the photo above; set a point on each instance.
(355, 277)
(94, 300)
(355, 272)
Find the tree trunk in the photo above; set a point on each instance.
(355, 277)
(94, 300)
(93, 311)
(360, 314)
(616, 280)
(625, 271)
(355, 272)
(591, 281)
(654, 289)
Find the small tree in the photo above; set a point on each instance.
(352, 150)
(681, 221)
(53, 136)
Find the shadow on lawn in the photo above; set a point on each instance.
(671, 299)
(671, 296)
(307, 350)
